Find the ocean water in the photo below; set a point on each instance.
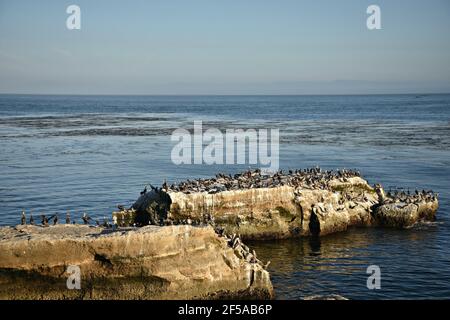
(90, 153)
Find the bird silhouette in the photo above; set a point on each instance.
(23, 219)
(44, 220)
(85, 218)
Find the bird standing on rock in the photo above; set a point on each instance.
(51, 218)
(44, 220)
(68, 217)
(23, 219)
(85, 218)
(115, 224)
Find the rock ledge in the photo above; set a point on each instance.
(170, 262)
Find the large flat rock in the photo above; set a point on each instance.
(170, 262)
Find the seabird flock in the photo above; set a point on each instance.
(407, 197)
(313, 178)
(242, 250)
(45, 220)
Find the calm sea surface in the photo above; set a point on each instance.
(90, 153)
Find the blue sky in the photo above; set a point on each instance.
(224, 47)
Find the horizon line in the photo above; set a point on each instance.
(219, 95)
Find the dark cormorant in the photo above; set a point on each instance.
(44, 220)
(85, 218)
(23, 219)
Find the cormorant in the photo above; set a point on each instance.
(23, 219)
(44, 220)
(85, 218)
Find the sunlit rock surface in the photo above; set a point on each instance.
(287, 211)
(405, 215)
(170, 262)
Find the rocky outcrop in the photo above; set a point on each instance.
(280, 212)
(170, 262)
(405, 215)
(315, 204)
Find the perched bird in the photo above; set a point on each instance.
(85, 218)
(68, 217)
(144, 191)
(105, 223)
(31, 219)
(23, 219)
(115, 222)
(51, 218)
(55, 220)
(44, 220)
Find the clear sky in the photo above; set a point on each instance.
(224, 47)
